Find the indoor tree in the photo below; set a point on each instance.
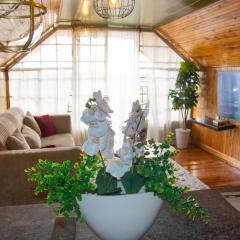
(185, 95)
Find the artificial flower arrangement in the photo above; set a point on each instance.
(138, 166)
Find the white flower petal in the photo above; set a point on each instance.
(116, 168)
(87, 116)
(99, 129)
(90, 148)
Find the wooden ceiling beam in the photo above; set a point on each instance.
(19, 56)
(176, 47)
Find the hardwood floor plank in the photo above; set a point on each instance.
(211, 170)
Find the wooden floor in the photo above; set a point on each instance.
(211, 170)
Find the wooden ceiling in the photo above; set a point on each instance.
(211, 35)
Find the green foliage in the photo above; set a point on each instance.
(132, 182)
(185, 95)
(62, 186)
(106, 184)
(90, 102)
(158, 173)
(65, 184)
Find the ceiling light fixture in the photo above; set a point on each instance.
(113, 9)
(21, 24)
(86, 8)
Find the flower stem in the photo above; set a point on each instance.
(102, 159)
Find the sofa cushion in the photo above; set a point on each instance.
(12, 118)
(17, 141)
(58, 140)
(30, 121)
(46, 125)
(15, 115)
(32, 138)
(9, 121)
(7, 128)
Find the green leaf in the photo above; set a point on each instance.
(132, 182)
(105, 182)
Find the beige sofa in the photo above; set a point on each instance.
(14, 187)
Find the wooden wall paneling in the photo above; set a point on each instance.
(224, 144)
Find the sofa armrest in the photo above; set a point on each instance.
(32, 155)
(62, 123)
(14, 187)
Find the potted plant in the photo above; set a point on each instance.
(184, 97)
(111, 191)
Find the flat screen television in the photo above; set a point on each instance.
(229, 95)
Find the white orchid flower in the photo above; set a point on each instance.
(98, 129)
(117, 168)
(108, 151)
(100, 133)
(94, 144)
(102, 103)
(87, 116)
(126, 153)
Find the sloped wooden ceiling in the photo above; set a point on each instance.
(211, 35)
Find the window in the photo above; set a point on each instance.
(158, 69)
(156, 61)
(61, 74)
(42, 82)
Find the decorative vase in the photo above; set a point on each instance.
(120, 217)
(182, 137)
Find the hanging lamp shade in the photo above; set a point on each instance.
(113, 9)
(21, 23)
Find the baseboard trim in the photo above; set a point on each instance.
(232, 161)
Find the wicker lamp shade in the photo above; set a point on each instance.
(113, 9)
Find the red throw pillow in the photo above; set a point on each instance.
(46, 125)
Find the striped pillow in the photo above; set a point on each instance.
(30, 121)
(32, 138)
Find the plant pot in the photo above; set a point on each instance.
(182, 137)
(121, 217)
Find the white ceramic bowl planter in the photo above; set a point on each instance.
(121, 217)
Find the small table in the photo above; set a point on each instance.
(35, 222)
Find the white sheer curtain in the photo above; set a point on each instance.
(106, 61)
(61, 74)
(159, 67)
(42, 81)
